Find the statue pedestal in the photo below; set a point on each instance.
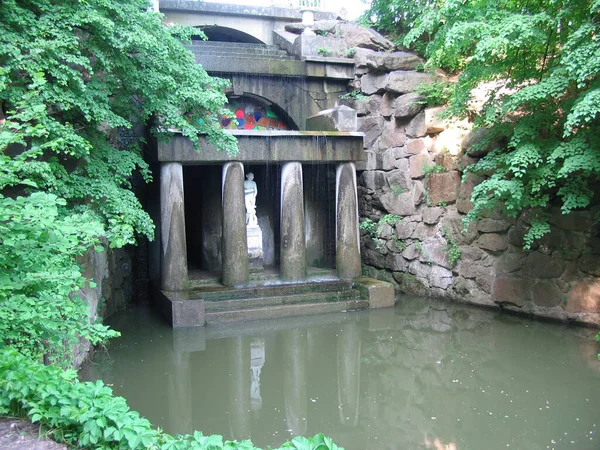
(255, 248)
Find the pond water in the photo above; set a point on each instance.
(425, 374)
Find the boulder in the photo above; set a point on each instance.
(372, 127)
(393, 159)
(540, 265)
(373, 83)
(418, 192)
(463, 201)
(392, 135)
(374, 160)
(418, 163)
(509, 262)
(364, 106)
(511, 290)
(416, 146)
(432, 215)
(545, 293)
(396, 263)
(374, 179)
(393, 61)
(356, 36)
(584, 296)
(492, 226)
(443, 187)
(401, 204)
(433, 122)
(453, 225)
(423, 231)
(440, 277)
(361, 56)
(493, 242)
(386, 108)
(480, 142)
(403, 82)
(408, 105)
(399, 179)
(412, 251)
(417, 127)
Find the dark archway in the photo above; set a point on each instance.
(223, 34)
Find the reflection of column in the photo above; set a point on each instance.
(294, 380)
(347, 246)
(293, 242)
(235, 246)
(239, 388)
(348, 371)
(172, 236)
(257, 361)
(179, 397)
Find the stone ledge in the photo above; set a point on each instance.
(380, 294)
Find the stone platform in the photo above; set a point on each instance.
(208, 302)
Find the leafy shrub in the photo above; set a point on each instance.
(323, 51)
(87, 415)
(437, 93)
(356, 94)
(39, 314)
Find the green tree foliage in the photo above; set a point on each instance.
(542, 59)
(72, 73)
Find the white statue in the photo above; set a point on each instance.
(250, 191)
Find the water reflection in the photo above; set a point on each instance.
(425, 376)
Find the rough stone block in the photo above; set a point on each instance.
(401, 204)
(584, 296)
(545, 293)
(443, 187)
(492, 226)
(392, 135)
(509, 262)
(408, 105)
(393, 159)
(418, 191)
(374, 179)
(339, 118)
(432, 215)
(493, 242)
(463, 201)
(511, 290)
(375, 161)
(418, 163)
(403, 82)
(574, 221)
(411, 252)
(396, 263)
(433, 122)
(440, 277)
(363, 106)
(379, 293)
(539, 265)
(590, 264)
(399, 180)
(479, 143)
(423, 231)
(393, 61)
(435, 251)
(417, 126)
(386, 108)
(404, 230)
(372, 127)
(373, 83)
(445, 159)
(419, 270)
(454, 226)
(416, 146)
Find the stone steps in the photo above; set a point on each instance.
(206, 49)
(276, 300)
(293, 310)
(322, 287)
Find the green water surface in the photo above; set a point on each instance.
(425, 374)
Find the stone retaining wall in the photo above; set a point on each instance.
(404, 141)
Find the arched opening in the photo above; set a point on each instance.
(252, 112)
(216, 33)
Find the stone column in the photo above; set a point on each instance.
(293, 242)
(174, 269)
(235, 245)
(347, 244)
